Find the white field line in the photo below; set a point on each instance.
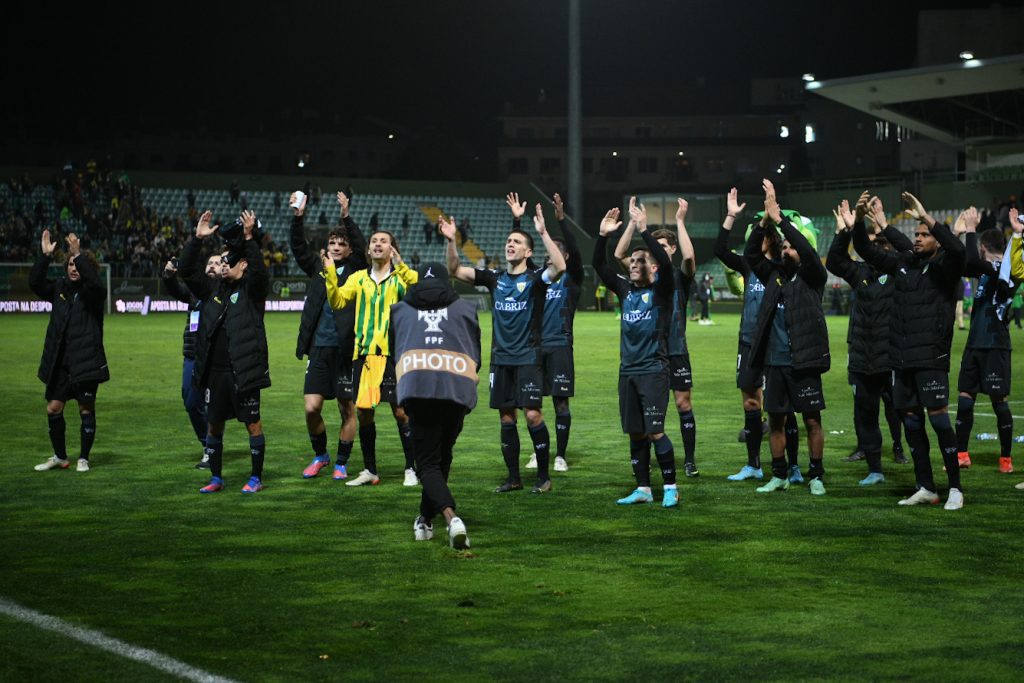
(112, 645)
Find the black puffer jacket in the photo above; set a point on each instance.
(76, 322)
(867, 336)
(238, 306)
(316, 293)
(802, 290)
(924, 301)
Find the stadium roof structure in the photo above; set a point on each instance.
(973, 101)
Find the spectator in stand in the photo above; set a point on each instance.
(234, 192)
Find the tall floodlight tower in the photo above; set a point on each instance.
(575, 161)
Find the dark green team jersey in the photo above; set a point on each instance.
(517, 311)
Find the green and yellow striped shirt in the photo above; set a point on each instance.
(373, 305)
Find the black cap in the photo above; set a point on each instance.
(432, 269)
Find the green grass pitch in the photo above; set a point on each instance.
(312, 580)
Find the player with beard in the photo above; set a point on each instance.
(680, 371)
(517, 295)
(190, 394)
(791, 339)
(326, 335)
(371, 293)
(74, 363)
(231, 344)
(920, 337)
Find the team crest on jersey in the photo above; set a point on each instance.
(234, 298)
(340, 270)
(433, 318)
(521, 286)
(882, 279)
(645, 297)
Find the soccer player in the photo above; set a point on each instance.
(74, 363)
(985, 366)
(646, 298)
(790, 339)
(680, 372)
(869, 370)
(920, 337)
(750, 378)
(518, 294)
(326, 336)
(556, 339)
(190, 394)
(437, 349)
(231, 345)
(371, 293)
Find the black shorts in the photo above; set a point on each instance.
(559, 372)
(387, 383)
(642, 402)
(680, 375)
(985, 371)
(516, 386)
(747, 377)
(329, 374)
(224, 403)
(61, 388)
(875, 384)
(792, 391)
(920, 389)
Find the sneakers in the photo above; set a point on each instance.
(817, 487)
(314, 467)
(1019, 486)
(204, 462)
(410, 478)
(254, 485)
(532, 465)
(562, 466)
(920, 497)
(422, 530)
(955, 501)
(670, 499)
(457, 537)
(1006, 465)
(216, 484)
(872, 479)
(52, 463)
(541, 486)
(691, 469)
(855, 456)
(339, 473)
(365, 477)
(636, 497)
(898, 456)
(82, 466)
(774, 484)
(747, 472)
(794, 475)
(509, 485)
(964, 458)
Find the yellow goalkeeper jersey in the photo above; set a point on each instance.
(373, 303)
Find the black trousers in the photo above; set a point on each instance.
(436, 425)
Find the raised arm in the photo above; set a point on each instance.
(609, 224)
(338, 297)
(356, 238)
(190, 270)
(574, 266)
(557, 261)
(838, 260)
(688, 264)
(876, 215)
(176, 287)
(881, 260)
(621, 252)
(37, 280)
(955, 254)
(257, 276)
(460, 273)
(307, 259)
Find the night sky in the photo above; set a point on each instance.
(104, 68)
